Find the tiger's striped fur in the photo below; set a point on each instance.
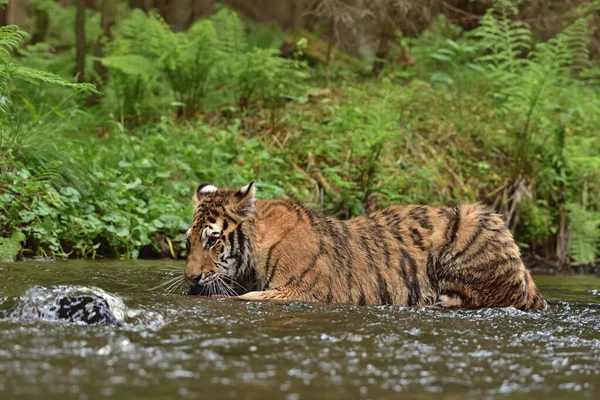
(402, 255)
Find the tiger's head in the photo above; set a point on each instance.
(218, 246)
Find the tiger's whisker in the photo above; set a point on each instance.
(229, 290)
(168, 283)
(230, 281)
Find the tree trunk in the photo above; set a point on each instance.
(137, 4)
(108, 19)
(80, 40)
(11, 13)
(42, 21)
(383, 50)
(562, 242)
(296, 15)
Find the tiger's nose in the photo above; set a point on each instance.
(193, 280)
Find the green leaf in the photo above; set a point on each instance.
(442, 77)
(27, 216)
(10, 247)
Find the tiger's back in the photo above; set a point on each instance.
(402, 255)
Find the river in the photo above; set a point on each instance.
(170, 345)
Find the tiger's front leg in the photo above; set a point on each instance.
(275, 295)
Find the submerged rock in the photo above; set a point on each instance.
(88, 309)
(80, 305)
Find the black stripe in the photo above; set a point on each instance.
(405, 279)
(298, 213)
(384, 295)
(455, 224)
(289, 282)
(361, 300)
(293, 207)
(453, 216)
(417, 238)
(268, 262)
(432, 274)
(313, 262)
(490, 277)
(311, 217)
(499, 262)
(329, 298)
(272, 204)
(414, 295)
(227, 215)
(339, 242)
(398, 236)
(471, 241)
(366, 247)
(394, 221)
(386, 254)
(270, 277)
(420, 215)
(241, 238)
(489, 246)
(270, 253)
(346, 234)
(446, 213)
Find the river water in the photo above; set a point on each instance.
(164, 346)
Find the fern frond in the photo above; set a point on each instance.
(37, 76)
(11, 38)
(503, 37)
(585, 233)
(131, 64)
(565, 52)
(229, 30)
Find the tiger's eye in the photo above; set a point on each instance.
(212, 240)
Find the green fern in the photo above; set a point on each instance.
(38, 147)
(230, 31)
(526, 78)
(198, 64)
(534, 87)
(11, 37)
(504, 38)
(585, 234)
(257, 74)
(185, 59)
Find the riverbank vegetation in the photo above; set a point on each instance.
(111, 115)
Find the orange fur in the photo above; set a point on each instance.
(402, 255)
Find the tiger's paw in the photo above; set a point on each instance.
(449, 301)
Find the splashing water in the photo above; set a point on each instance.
(165, 345)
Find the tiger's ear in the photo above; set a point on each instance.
(203, 190)
(244, 200)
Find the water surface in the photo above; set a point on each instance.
(179, 346)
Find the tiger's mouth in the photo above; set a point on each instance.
(217, 285)
(199, 290)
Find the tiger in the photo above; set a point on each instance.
(246, 248)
